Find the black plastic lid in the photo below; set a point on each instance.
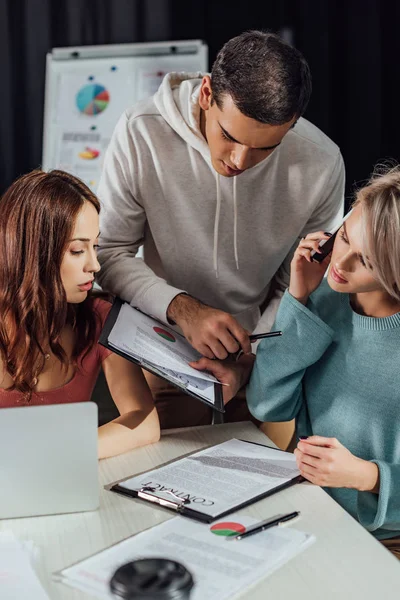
(155, 578)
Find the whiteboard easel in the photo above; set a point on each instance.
(89, 87)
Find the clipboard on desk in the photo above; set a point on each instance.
(211, 483)
(160, 350)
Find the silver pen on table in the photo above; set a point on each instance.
(263, 525)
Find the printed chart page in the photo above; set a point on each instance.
(220, 478)
(162, 348)
(221, 567)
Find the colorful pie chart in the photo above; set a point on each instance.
(164, 334)
(89, 153)
(92, 99)
(227, 528)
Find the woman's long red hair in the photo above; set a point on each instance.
(37, 216)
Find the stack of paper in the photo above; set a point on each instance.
(221, 567)
(18, 580)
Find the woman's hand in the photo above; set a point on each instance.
(233, 375)
(305, 274)
(326, 462)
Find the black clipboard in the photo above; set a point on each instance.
(103, 340)
(170, 501)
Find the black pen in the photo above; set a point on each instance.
(261, 336)
(263, 525)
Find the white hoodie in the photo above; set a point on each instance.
(159, 189)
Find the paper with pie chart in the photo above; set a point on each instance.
(89, 105)
(150, 342)
(95, 98)
(81, 153)
(221, 569)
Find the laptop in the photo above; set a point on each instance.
(48, 460)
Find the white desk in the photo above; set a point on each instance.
(345, 562)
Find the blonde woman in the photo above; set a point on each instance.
(336, 368)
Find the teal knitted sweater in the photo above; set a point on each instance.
(338, 374)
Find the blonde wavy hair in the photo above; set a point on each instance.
(380, 204)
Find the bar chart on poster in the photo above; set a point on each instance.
(89, 87)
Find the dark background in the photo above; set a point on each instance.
(352, 48)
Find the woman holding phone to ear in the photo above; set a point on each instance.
(49, 320)
(336, 368)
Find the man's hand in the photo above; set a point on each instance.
(234, 374)
(212, 332)
(326, 462)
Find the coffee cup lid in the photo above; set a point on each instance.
(155, 578)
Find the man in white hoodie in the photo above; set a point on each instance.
(217, 177)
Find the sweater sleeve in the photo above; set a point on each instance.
(279, 284)
(275, 389)
(122, 225)
(326, 217)
(382, 510)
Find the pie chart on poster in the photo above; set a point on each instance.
(89, 153)
(92, 99)
(227, 528)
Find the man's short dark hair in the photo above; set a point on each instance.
(268, 80)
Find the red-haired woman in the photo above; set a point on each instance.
(49, 321)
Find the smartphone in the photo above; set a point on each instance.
(326, 246)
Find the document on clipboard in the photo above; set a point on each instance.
(160, 350)
(209, 484)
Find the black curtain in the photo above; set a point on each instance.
(352, 47)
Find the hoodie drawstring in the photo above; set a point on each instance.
(235, 224)
(216, 224)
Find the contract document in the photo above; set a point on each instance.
(214, 482)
